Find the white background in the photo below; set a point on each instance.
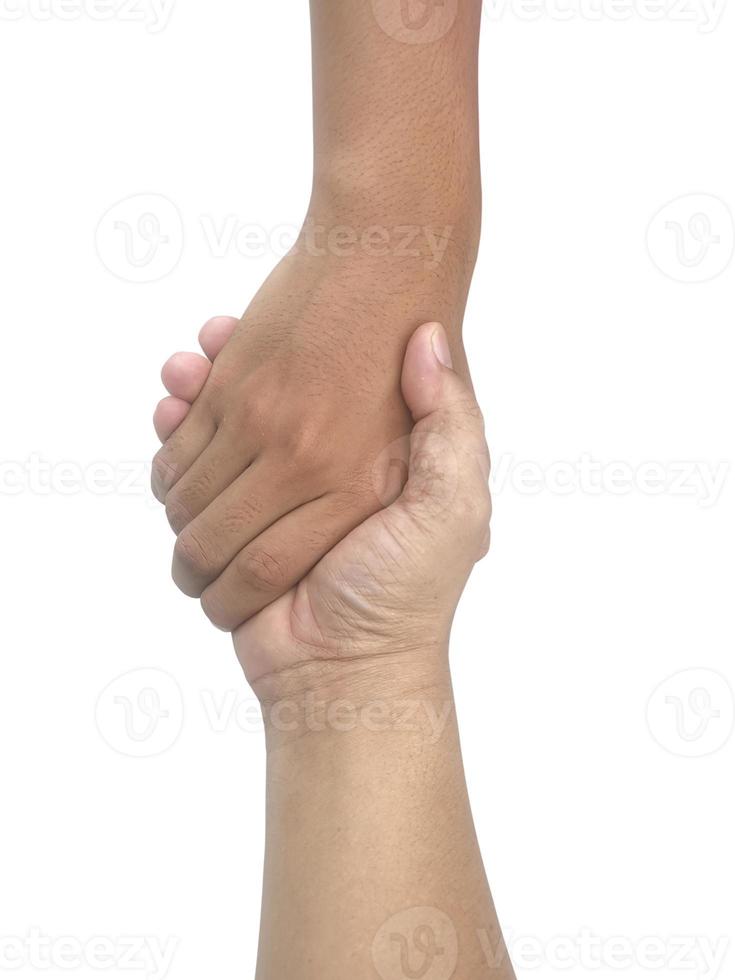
(591, 345)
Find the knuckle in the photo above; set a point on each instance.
(162, 475)
(303, 441)
(240, 407)
(307, 439)
(216, 612)
(262, 571)
(192, 554)
(303, 452)
(485, 511)
(176, 511)
(218, 396)
(218, 381)
(189, 498)
(473, 512)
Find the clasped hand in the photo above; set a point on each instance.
(324, 520)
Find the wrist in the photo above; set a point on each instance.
(412, 216)
(358, 698)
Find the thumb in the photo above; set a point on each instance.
(438, 398)
(428, 381)
(448, 465)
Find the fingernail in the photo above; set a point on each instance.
(440, 347)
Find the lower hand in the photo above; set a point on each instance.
(389, 589)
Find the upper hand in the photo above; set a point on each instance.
(391, 586)
(274, 464)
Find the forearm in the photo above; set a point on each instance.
(392, 117)
(371, 850)
(396, 129)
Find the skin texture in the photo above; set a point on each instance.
(372, 865)
(337, 605)
(328, 489)
(275, 463)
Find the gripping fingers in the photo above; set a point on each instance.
(220, 465)
(187, 443)
(258, 498)
(168, 416)
(279, 558)
(184, 376)
(215, 333)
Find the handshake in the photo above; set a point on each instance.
(329, 496)
(325, 471)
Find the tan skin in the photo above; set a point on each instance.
(305, 396)
(338, 582)
(372, 865)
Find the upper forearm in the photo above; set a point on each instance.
(395, 115)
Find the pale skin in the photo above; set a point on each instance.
(372, 865)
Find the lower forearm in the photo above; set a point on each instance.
(370, 844)
(396, 144)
